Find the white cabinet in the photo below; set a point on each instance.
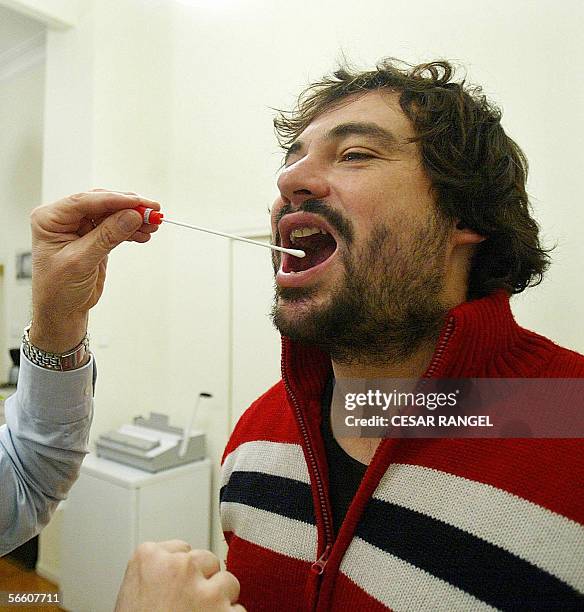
(111, 509)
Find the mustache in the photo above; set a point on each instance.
(341, 224)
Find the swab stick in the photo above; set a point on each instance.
(154, 217)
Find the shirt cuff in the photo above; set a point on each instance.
(49, 395)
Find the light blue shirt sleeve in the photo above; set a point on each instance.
(42, 447)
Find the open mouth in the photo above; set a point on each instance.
(315, 242)
(310, 233)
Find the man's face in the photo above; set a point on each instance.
(372, 282)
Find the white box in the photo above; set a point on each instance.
(111, 509)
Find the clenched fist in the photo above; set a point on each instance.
(71, 240)
(170, 577)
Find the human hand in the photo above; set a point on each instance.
(71, 239)
(170, 576)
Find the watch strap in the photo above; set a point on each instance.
(70, 360)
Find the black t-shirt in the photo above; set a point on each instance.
(345, 473)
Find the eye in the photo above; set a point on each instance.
(355, 156)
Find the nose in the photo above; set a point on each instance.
(303, 180)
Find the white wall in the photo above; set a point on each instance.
(173, 99)
(160, 334)
(54, 13)
(21, 131)
(247, 56)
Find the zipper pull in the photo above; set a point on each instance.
(318, 566)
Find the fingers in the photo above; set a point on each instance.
(206, 562)
(139, 237)
(115, 191)
(143, 234)
(146, 228)
(85, 227)
(93, 246)
(112, 231)
(149, 229)
(71, 210)
(227, 584)
(174, 546)
(169, 575)
(108, 212)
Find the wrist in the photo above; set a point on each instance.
(57, 335)
(71, 359)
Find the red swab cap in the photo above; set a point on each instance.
(150, 216)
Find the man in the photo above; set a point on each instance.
(409, 200)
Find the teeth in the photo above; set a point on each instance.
(301, 232)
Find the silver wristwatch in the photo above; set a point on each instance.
(55, 361)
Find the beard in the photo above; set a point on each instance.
(387, 304)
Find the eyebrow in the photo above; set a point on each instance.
(373, 131)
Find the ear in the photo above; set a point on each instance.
(462, 234)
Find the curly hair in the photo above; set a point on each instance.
(477, 171)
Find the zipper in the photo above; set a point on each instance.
(319, 565)
(439, 352)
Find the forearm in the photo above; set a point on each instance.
(42, 447)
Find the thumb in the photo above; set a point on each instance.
(113, 230)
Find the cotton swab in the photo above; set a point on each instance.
(154, 217)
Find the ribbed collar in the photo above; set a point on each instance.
(479, 339)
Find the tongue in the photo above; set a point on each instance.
(318, 248)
